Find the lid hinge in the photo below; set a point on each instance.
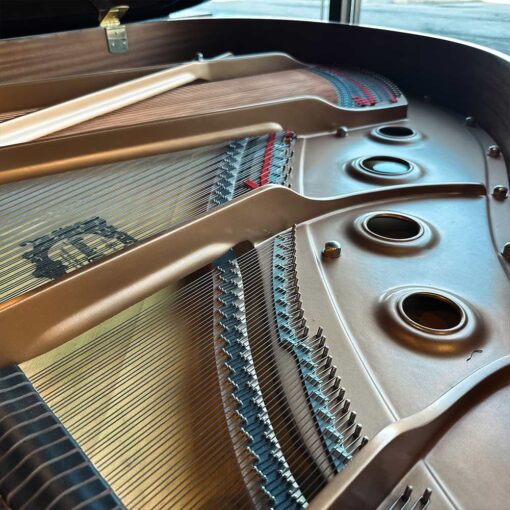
(116, 33)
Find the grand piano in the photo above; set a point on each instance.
(250, 263)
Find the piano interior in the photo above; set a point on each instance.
(284, 287)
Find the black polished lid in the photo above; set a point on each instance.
(30, 17)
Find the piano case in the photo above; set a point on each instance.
(285, 286)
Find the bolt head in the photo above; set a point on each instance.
(506, 252)
(342, 131)
(469, 121)
(500, 192)
(494, 151)
(199, 57)
(332, 250)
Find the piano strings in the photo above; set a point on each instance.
(43, 217)
(130, 395)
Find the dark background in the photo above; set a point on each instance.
(29, 17)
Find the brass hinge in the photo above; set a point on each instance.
(116, 33)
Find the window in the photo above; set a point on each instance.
(485, 22)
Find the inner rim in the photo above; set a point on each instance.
(386, 165)
(394, 227)
(432, 312)
(396, 131)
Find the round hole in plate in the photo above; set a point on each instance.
(393, 227)
(386, 165)
(396, 131)
(432, 312)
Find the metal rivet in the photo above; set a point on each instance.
(506, 252)
(469, 121)
(332, 250)
(500, 192)
(199, 57)
(494, 151)
(342, 131)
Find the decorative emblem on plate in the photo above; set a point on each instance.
(68, 248)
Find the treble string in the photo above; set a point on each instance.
(173, 189)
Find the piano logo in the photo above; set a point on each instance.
(74, 246)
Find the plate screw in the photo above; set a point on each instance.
(333, 250)
(500, 192)
(342, 131)
(199, 57)
(506, 252)
(469, 121)
(494, 151)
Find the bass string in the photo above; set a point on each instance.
(142, 361)
(93, 362)
(181, 298)
(63, 369)
(195, 285)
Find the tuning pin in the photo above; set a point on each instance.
(352, 418)
(357, 431)
(426, 496)
(332, 373)
(406, 495)
(336, 382)
(343, 410)
(320, 352)
(338, 398)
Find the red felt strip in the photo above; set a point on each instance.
(251, 184)
(266, 162)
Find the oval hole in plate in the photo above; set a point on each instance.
(432, 312)
(386, 165)
(393, 227)
(396, 131)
